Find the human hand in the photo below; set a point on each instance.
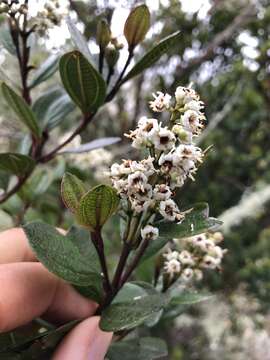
(28, 290)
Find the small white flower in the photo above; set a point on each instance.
(161, 102)
(143, 193)
(146, 166)
(209, 262)
(216, 252)
(185, 258)
(218, 237)
(166, 162)
(169, 210)
(180, 94)
(149, 232)
(164, 139)
(184, 95)
(140, 206)
(137, 180)
(148, 127)
(194, 105)
(192, 121)
(187, 274)
(170, 255)
(172, 267)
(162, 192)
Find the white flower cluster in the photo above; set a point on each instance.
(51, 15)
(200, 252)
(150, 183)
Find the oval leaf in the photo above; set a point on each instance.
(46, 70)
(97, 206)
(127, 315)
(60, 255)
(137, 25)
(153, 55)
(16, 164)
(72, 190)
(22, 109)
(83, 83)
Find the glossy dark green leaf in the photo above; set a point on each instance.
(45, 71)
(195, 222)
(82, 82)
(146, 348)
(129, 292)
(127, 315)
(72, 190)
(78, 39)
(21, 109)
(97, 206)
(151, 57)
(16, 164)
(60, 255)
(92, 145)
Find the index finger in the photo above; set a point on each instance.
(14, 247)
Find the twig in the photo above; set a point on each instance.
(47, 157)
(135, 262)
(118, 83)
(121, 264)
(99, 245)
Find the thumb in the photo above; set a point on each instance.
(85, 342)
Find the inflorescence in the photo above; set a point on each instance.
(149, 185)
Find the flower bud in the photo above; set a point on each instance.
(103, 33)
(137, 25)
(4, 8)
(111, 55)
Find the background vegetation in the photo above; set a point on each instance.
(225, 52)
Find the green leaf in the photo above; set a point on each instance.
(137, 25)
(60, 255)
(22, 109)
(188, 297)
(153, 55)
(46, 70)
(97, 206)
(6, 40)
(16, 164)
(52, 107)
(36, 185)
(147, 348)
(196, 222)
(72, 190)
(129, 292)
(127, 315)
(78, 39)
(83, 83)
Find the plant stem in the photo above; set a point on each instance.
(47, 157)
(118, 82)
(99, 245)
(121, 264)
(101, 60)
(135, 262)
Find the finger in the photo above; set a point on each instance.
(28, 290)
(85, 342)
(14, 247)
